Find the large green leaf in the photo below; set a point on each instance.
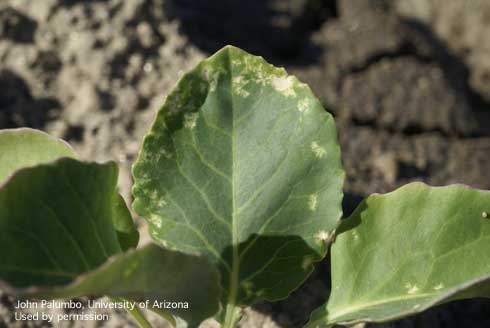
(242, 164)
(408, 250)
(58, 240)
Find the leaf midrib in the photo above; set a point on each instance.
(235, 268)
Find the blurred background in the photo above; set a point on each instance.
(407, 80)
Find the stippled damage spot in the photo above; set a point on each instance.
(256, 71)
(212, 76)
(322, 237)
(155, 220)
(239, 83)
(190, 120)
(313, 202)
(411, 289)
(318, 150)
(161, 202)
(284, 85)
(156, 236)
(166, 153)
(438, 287)
(303, 105)
(153, 195)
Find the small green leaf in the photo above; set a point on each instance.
(242, 164)
(405, 251)
(26, 147)
(58, 239)
(56, 221)
(127, 234)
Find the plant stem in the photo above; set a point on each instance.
(139, 318)
(135, 313)
(231, 316)
(164, 314)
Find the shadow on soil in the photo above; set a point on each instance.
(277, 30)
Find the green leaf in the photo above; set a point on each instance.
(127, 234)
(56, 221)
(58, 240)
(27, 147)
(405, 251)
(242, 164)
(149, 273)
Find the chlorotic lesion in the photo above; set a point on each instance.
(239, 82)
(254, 70)
(318, 150)
(155, 220)
(284, 85)
(438, 286)
(190, 120)
(313, 202)
(322, 237)
(411, 288)
(303, 105)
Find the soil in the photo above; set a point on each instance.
(407, 80)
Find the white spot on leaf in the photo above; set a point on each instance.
(313, 202)
(438, 287)
(162, 202)
(411, 289)
(165, 153)
(322, 236)
(190, 120)
(153, 195)
(484, 215)
(303, 105)
(284, 84)
(155, 220)
(318, 150)
(238, 83)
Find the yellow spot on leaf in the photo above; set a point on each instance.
(155, 220)
(303, 105)
(313, 202)
(238, 83)
(190, 120)
(411, 289)
(284, 84)
(322, 236)
(318, 150)
(438, 287)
